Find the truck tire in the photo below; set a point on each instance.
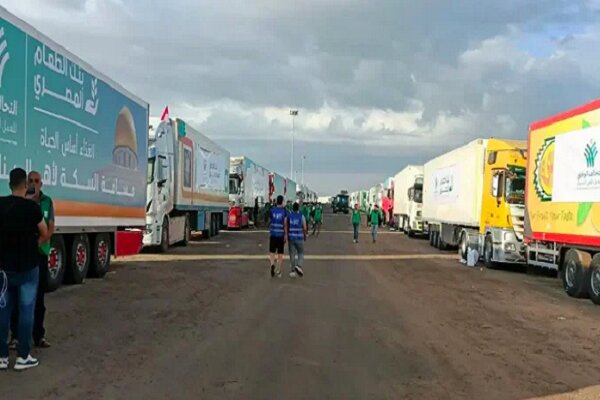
(57, 263)
(463, 247)
(79, 260)
(488, 253)
(431, 238)
(404, 227)
(594, 275)
(164, 237)
(575, 273)
(436, 239)
(409, 231)
(100, 256)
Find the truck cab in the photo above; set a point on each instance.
(503, 203)
(341, 203)
(238, 217)
(414, 224)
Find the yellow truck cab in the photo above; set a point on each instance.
(503, 202)
(473, 198)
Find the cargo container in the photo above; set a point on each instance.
(408, 200)
(562, 226)
(387, 199)
(86, 135)
(473, 197)
(248, 184)
(188, 185)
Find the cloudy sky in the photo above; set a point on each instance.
(378, 83)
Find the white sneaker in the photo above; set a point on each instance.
(26, 363)
(278, 273)
(3, 364)
(293, 275)
(299, 270)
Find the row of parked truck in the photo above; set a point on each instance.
(534, 202)
(118, 184)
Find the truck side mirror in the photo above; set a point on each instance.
(495, 185)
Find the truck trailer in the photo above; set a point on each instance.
(248, 184)
(87, 137)
(473, 198)
(408, 200)
(562, 224)
(188, 185)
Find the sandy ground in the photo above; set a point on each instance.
(391, 320)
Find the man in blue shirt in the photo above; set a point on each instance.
(277, 236)
(295, 231)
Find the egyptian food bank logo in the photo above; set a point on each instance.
(590, 177)
(4, 54)
(544, 169)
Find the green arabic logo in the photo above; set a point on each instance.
(591, 152)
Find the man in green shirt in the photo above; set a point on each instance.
(34, 181)
(305, 212)
(318, 219)
(356, 221)
(374, 219)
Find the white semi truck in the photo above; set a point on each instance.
(188, 185)
(408, 200)
(248, 183)
(87, 136)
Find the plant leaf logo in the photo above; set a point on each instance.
(544, 170)
(590, 153)
(4, 54)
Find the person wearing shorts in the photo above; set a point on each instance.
(277, 237)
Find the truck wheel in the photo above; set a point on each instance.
(404, 229)
(79, 261)
(57, 260)
(409, 231)
(436, 239)
(463, 248)
(488, 253)
(575, 273)
(431, 238)
(164, 237)
(100, 256)
(594, 288)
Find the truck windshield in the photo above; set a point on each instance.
(150, 171)
(233, 185)
(342, 200)
(515, 189)
(418, 196)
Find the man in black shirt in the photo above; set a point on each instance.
(22, 230)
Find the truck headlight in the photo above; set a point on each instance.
(510, 247)
(148, 229)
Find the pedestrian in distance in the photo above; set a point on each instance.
(318, 220)
(34, 192)
(277, 236)
(356, 221)
(22, 231)
(296, 231)
(375, 219)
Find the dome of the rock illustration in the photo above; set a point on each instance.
(125, 151)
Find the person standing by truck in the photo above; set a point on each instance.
(22, 231)
(35, 193)
(277, 236)
(296, 231)
(375, 220)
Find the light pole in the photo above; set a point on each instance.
(293, 113)
(303, 159)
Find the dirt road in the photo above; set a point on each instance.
(357, 326)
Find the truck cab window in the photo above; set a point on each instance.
(515, 189)
(150, 171)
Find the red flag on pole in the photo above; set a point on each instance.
(165, 114)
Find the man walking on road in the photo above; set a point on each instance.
(34, 181)
(277, 236)
(318, 220)
(374, 219)
(22, 231)
(296, 231)
(356, 221)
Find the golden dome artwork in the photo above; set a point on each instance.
(125, 151)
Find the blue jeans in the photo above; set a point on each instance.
(374, 231)
(22, 289)
(356, 231)
(296, 250)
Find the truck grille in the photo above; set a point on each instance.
(517, 213)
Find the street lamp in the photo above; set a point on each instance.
(294, 114)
